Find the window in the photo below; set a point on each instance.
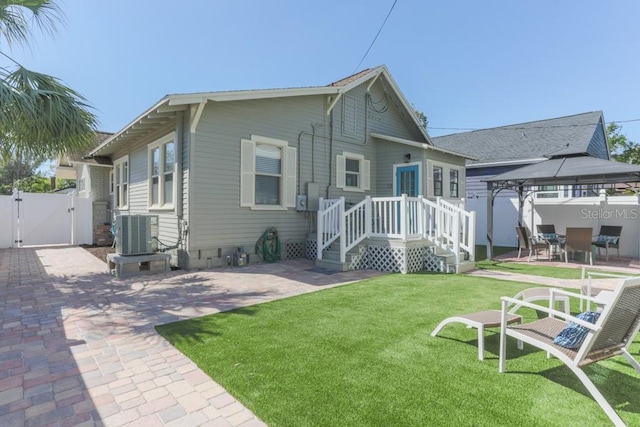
(267, 174)
(82, 185)
(121, 182)
(453, 183)
(162, 165)
(547, 192)
(352, 172)
(437, 181)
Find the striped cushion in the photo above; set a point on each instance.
(573, 335)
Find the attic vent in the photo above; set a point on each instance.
(349, 115)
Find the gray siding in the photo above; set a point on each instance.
(215, 210)
(598, 144)
(139, 189)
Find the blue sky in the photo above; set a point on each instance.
(465, 64)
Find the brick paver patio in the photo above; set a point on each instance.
(78, 347)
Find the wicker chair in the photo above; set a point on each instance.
(609, 237)
(613, 331)
(532, 245)
(578, 240)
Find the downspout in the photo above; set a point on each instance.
(330, 152)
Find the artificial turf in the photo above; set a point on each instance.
(361, 354)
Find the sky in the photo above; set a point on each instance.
(466, 64)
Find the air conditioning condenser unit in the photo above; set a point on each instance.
(136, 234)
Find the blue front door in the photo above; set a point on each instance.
(407, 181)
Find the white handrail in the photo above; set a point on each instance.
(443, 223)
(330, 223)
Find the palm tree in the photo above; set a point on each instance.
(39, 116)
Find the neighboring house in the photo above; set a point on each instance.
(220, 168)
(505, 148)
(93, 181)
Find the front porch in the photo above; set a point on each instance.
(398, 234)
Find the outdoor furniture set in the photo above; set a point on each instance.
(576, 239)
(577, 341)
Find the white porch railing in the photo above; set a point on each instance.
(406, 218)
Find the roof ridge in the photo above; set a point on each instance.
(515, 125)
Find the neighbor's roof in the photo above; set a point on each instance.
(165, 110)
(531, 141)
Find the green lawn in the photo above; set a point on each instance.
(361, 354)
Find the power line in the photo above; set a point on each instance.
(376, 37)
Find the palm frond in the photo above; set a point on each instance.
(15, 17)
(41, 116)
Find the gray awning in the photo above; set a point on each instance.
(568, 171)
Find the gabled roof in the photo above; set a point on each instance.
(165, 110)
(526, 142)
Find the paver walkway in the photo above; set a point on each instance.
(78, 347)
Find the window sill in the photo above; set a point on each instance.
(352, 189)
(268, 208)
(161, 208)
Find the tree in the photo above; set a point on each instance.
(422, 118)
(622, 149)
(39, 116)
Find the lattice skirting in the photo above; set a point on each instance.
(433, 262)
(398, 260)
(294, 250)
(359, 261)
(311, 249)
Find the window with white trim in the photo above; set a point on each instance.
(162, 169)
(437, 181)
(267, 173)
(453, 182)
(121, 182)
(352, 172)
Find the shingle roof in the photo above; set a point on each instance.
(532, 140)
(351, 78)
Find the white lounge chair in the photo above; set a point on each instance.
(614, 330)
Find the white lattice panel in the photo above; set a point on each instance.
(311, 249)
(432, 262)
(415, 259)
(294, 250)
(359, 261)
(384, 258)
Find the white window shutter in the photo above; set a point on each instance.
(247, 173)
(366, 174)
(340, 171)
(290, 177)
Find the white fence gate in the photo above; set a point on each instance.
(38, 219)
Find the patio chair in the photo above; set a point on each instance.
(548, 231)
(609, 336)
(609, 237)
(578, 239)
(491, 318)
(530, 243)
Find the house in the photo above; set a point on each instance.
(93, 181)
(219, 168)
(505, 148)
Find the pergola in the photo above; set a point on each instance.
(580, 169)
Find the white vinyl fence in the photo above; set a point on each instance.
(38, 219)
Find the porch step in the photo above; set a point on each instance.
(331, 257)
(329, 264)
(465, 266)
